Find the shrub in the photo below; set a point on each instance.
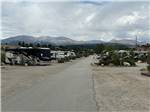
(148, 61)
(105, 60)
(148, 58)
(3, 57)
(131, 61)
(115, 59)
(99, 48)
(61, 60)
(66, 59)
(148, 68)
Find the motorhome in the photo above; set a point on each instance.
(27, 55)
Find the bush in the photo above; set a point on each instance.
(99, 48)
(3, 57)
(61, 60)
(148, 61)
(148, 58)
(67, 59)
(148, 68)
(115, 59)
(131, 61)
(105, 60)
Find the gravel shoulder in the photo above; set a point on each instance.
(121, 89)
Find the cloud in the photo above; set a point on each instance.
(89, 18)
(79, 20)
(130, 19)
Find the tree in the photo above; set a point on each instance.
(148, 58)
(38, 45)
(99, 48)
(26, 45)
(49, 45)
(23, 44)
(44, 45)
(108, 48)
(31, 45)
(148, 61)
(3, 56)
(19, 43)
(115, 59)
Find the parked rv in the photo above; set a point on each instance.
(53, 55)
(27, 56)
(71, 54)
(62, 56)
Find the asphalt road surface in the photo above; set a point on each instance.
(69, 90)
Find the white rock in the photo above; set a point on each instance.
(126, 64)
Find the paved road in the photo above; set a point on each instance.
(68, 90)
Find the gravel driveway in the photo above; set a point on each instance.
(121, 89)
(62, 88)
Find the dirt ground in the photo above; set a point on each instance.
(64, 87)
(17, 78)
(117, 89)
(121, 89)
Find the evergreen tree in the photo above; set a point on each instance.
(99, 48)
(26, 45)
(38, 45)
(23, 44)
(30, 45)
(19, 43)
(148, 61)
(49, 45)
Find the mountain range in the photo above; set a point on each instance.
(59, 40)
(46, 40)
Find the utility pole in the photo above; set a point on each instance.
(136, 43)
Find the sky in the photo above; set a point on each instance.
(76, 19)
